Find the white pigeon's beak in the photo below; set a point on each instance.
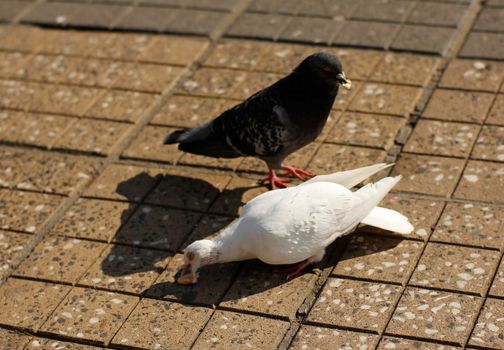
(342, 79)
(186, 276)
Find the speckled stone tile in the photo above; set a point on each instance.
(92, 72)
(148, 144)
(22, 38)
(60, 259)
(255, 82)
(454, 105)
(11, 63)
(482, 181)
(157, 324)
(440, 138)
(123, 182)
(388, 343)
(284, 58)
(93, 136)
(25, 211)
(45, 68)
(13, 169)
(358, 64)
(213, 82)
(173, 50)
(239, 54)
(238, 192)
(473, 75)
(496, 115)
(15, 340)
(378, 258)
(371, 34)
(434, 315)
(331, 158)
(457, 268)
(209, 162)
(258, 289)
(94, 219)
(188, 190)
(148, 77)
(122, 105)
(345, 96)
(157, 227)
(385, 99)
(213, 282)
(355, 304)
(497, 288)
(51, 344)
(490, 144)
(209, 226)
(124, 268)
(405, 69)
(310, 337)
(230, 330)
(422, 213)
(11, 244)
(488, 331)
(91, 314)
(361, 129)
(471, 224)
(28, 304)
(427, 174)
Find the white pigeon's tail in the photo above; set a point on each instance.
(388, 219)
(350, 178)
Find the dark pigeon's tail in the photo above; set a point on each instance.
(174, 137)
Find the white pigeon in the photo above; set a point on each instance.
(295, 225)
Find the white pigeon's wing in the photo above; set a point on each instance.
(349, 178)
(388, 219)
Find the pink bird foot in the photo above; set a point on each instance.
(293, 270)
(300, 174)
(274, 181)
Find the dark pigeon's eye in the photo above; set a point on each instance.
(327, 69)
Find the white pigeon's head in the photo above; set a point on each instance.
(196, 255)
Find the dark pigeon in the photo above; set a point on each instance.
(274, 122)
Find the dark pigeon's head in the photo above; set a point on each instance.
(325, 68)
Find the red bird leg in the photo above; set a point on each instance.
(300, 174)
(295, 269)
(274, 181)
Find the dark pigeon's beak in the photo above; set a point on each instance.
(342, 79)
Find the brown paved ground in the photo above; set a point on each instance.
(94, 211)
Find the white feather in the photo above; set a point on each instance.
(350, 178)
(388, 219)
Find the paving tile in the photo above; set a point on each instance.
(431, 175)
(497, 288)
(96, 15)
(437, 14)
(123, 182)
(339, 304)
(60, 259)
(13, 170)
(365, 130)
(55, 13)
(385, 99)
(209, 162)
(10, 9)
(254, 83)
(213, 82)
(310, 337)
(345, 96)
(240, 54)
(405, 69)
(157, 324)
(46, 68)
(484, 45)
(264, 26)
(50, 344)
(488, 330)
(173, 50)
(157, 227)
(91, 314)
(482, 181)
(496, 115)
(195, 22)
(217, 5)
(147, 18)
(33, 129)
(209, 226)
(16, 341)
(238, 192)
(378, 258)
(434, 315)
(328, 8)
(230, 330)
(490, 144)
(213, 282)
(148, 144)
(27, 304)
(188, 190)
(91, 72)
(440, 138)
(473, 75)
(405, 344)
(283, 58)
(257, 289)
(379, 10)
(22, 38)
(12, 62)
(11, 245)
(311, 29)
(275, 6)
(489, 19)
(427, 39)
(331, 158)
(148, 77)
(368, 34)
(471, 224)
(456, 105)
(456, 268)
(94, 219)
(26, 211)
(127, 269)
